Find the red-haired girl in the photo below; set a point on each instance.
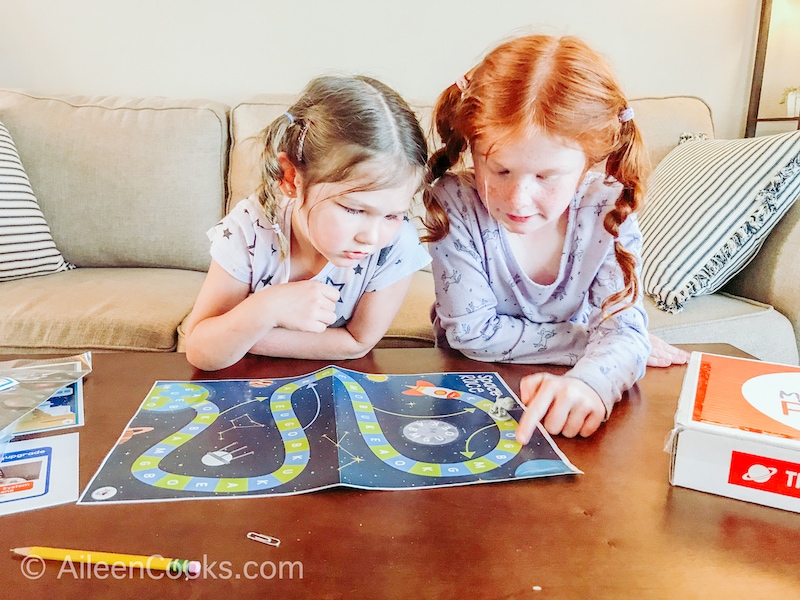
(535, 256)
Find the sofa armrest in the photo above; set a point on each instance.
(773, 276)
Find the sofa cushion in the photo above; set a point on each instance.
(26, 245)
(124, 182)
(772, 276)
(96, 309)
(661, 121)
(411, 326)
(709, 208)
(249, 118)
(727, 319)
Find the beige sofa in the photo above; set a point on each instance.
(130, 185)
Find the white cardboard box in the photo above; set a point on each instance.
(737, 430)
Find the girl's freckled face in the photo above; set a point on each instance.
(528, 183)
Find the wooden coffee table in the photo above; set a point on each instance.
(617, 531)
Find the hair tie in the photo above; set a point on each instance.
(462, 83)
(301, 141)
(626, 114)
(276, 228)
(290, 117)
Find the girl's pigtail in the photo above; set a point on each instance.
(628, 164)
(454, 144)
(274, 139)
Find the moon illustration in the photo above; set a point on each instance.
(430, 432)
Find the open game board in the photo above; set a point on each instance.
(263, 437)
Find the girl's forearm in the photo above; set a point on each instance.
(335, 343)
(218, 342)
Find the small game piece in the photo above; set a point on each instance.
(499, 412)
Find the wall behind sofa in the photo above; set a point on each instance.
(228, 50)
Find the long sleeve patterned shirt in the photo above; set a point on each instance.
(490, 310)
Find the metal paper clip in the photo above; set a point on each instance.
(264, 539)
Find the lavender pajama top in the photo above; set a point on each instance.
(490, 310)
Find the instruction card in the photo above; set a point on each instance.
(39, 472)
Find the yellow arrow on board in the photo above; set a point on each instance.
(470, 453)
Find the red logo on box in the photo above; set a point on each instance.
(765, 474)
(16, 487)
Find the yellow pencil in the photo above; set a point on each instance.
(174, 565)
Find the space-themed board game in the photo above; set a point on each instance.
(267, 437)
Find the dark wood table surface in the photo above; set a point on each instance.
(618, 531)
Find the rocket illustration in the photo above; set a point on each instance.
(425, 388)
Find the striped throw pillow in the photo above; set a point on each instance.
(26, 246)
(709, 207)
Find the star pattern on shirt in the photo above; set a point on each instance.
(267, 281)
(338, 286)
(358, 269)
(384, 255)
(226, 233)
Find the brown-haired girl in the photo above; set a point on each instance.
(316, 264)
(536, 257)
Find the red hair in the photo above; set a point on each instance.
(560, 86)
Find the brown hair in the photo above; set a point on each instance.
(337, 124)
(545, 84)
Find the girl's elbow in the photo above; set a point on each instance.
(202, 360)
(360, 348)
(473, 349)
(198, 361)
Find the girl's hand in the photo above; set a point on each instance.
(564, 405)
(302, 305)
(664, 355)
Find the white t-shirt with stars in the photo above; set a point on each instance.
(489, 309)
(246, 246)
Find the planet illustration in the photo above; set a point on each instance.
(540, 467)
(259, 383)
(373, 377)
(132, 431)
(759, 473)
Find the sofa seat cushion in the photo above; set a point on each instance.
(106, 309)
(411, 327)
(725, 318)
